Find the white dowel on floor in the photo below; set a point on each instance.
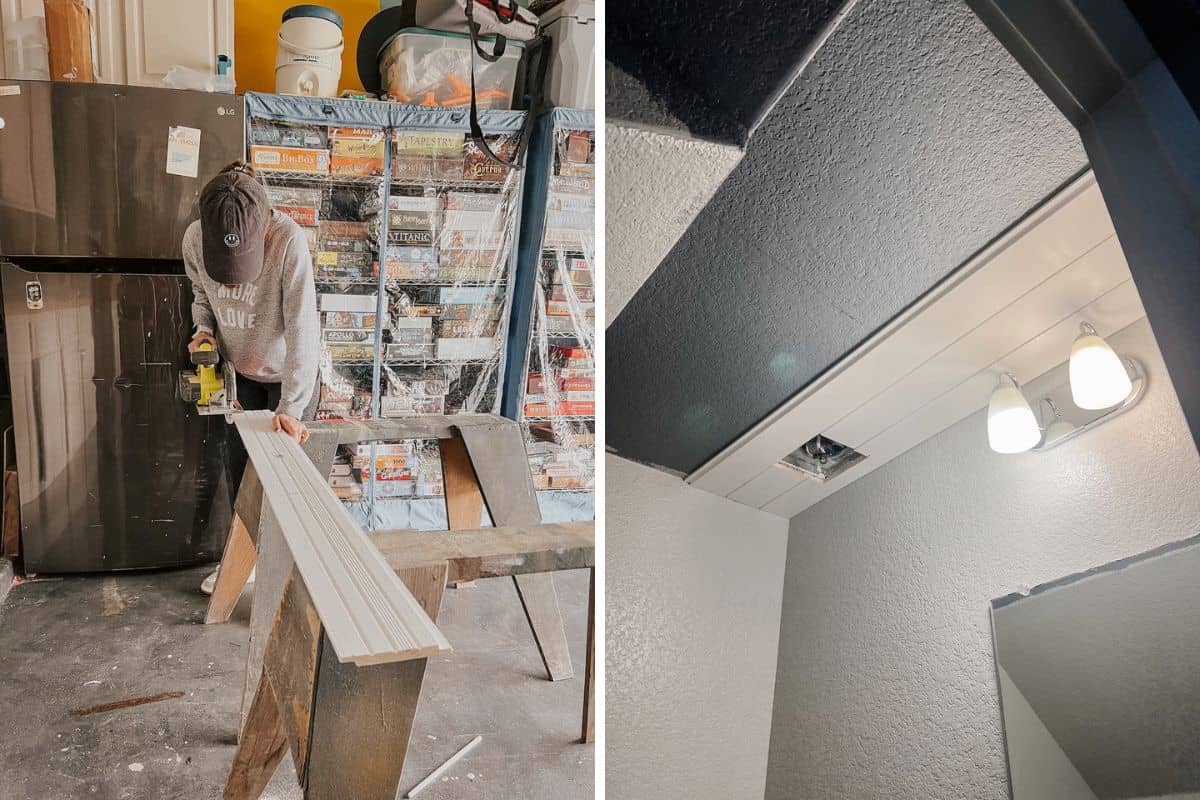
(433, 776)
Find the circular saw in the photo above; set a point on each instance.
(212, 386)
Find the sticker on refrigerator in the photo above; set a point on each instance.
(33, 294)
(183, 151)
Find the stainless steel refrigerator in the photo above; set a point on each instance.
(97, 185)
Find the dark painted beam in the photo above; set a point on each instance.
(657, 102)
(1094, 60)
(716, 68)
(1173, 27)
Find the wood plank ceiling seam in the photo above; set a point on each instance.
(369, 614)
(1057, 232)
(1111, 312)
(1070, 290)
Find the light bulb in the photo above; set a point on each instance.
(1098, 378)
(1012, 427)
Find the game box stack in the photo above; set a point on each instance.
(356, 151)
(289, 147)
(414, 392)
(567, 390)
(469, 322)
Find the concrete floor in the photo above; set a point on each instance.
(74, 643)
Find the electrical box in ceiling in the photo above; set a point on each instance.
(821, 458)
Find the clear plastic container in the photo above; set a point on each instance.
(433, 68)
(26, 50)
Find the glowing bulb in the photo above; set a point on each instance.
(1098, 378)
(1012, 427)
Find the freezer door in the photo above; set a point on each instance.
(115, 471)
(86, 166)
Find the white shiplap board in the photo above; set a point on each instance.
(368, 613)
(1016, 306)
(1109, 314)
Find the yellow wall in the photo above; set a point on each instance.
(256, 32)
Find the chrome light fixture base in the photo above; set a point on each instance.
(1082, 420)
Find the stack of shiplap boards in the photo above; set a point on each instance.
(368, 613)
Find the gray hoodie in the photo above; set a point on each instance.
(269, 328)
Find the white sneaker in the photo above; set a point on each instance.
(210, 583)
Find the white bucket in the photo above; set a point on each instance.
(309, 58)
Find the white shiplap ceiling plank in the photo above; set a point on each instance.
(1110, 313)
(769, 484)
(1071, 289)
(1054, 236)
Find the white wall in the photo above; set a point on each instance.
(1039, 767)
(886, 684)
(693, 591)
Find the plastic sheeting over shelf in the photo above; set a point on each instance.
(411, 229)
(429, 513)
(558, 404)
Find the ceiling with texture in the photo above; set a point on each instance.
(908, 142)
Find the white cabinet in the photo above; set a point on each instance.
(162, 33)
(108, 26)
(137, 41)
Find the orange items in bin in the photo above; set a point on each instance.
(433, 68)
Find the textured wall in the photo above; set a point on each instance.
(886, 686)
(692, 608)
(663, 183)
(910, 141)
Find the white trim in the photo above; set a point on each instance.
(368, 613)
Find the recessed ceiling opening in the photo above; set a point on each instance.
(821, 458)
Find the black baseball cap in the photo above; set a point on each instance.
(234, 212)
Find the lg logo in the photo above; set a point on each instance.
(232, 240)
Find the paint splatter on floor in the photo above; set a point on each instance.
(111, 596)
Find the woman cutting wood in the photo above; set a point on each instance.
(255, 301)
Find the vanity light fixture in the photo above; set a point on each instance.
(1102, 385)
(1098, 378)
(1059, 427)
(1012, 427)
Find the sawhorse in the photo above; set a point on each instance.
(348, 726)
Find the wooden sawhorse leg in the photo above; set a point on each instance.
(348, 726)
(489, 464)
(589, 680)
(241, 553)
(237, 562)
(261, 749)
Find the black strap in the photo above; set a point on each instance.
(497, 51)
(501, 41)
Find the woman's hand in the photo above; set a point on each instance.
(199, 339)
(291, 426)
